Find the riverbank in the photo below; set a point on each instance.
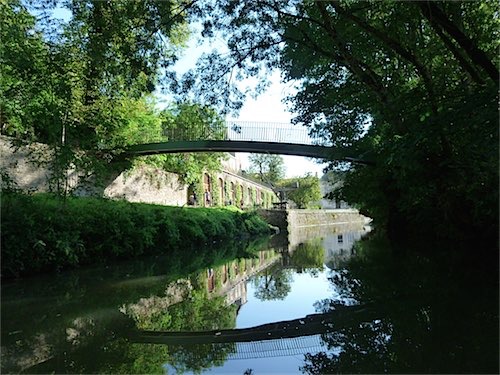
(41, 233)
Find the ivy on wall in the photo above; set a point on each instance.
(239, 195)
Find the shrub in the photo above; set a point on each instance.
(43, 233)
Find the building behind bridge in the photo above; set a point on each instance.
(25, 166)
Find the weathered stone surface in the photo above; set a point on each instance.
(28, 167)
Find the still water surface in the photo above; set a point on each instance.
(401, 313)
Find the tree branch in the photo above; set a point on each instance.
(393, 45)
(437, 17)
(363, 72)
(469, 69)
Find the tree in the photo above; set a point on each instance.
(309, 257)
(303, 191)
(197, 312)
(77, 86)
(272, 284)
(411, 86)
(187, 121)
(267, 167)
(23, 54)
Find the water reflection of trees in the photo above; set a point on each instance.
(273, 283)
(413, 315)
(68, 335)
(199, 303)
(308, 257)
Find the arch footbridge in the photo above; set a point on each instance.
(253, 137)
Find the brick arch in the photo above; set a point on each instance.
(207, 190)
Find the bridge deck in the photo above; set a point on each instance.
(314, 151)
(237, 136)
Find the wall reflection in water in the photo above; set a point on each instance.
(381, 312)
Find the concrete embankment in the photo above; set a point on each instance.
(300, 225)
(299, 219)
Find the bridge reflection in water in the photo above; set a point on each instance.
(283, 338)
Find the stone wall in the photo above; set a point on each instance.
(277, 218)
(301, 222)
(27, 167)
(24, 165)
(148, 185)
(311, 218)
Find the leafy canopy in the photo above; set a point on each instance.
(303, 191)
(267, 167)
(411, 86)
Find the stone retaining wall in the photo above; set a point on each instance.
(24, 165)
(298, 221)
(312, 218)
(27, 167)
(277, 218)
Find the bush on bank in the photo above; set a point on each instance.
(42, 233)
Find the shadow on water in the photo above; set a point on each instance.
(433, 314)
(382, 311)
(69, 322)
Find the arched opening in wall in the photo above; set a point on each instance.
(224, 274)
(232, 194)
(226, 193)
(192, 198)
(207, 190)
(221, 191)
(210, 280)
(262, 199)
(241, 203)
(236, 268)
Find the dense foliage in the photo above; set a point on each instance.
(411, 87)
(267, 168)
(85, 85)
(182, 121)
(83, 231)
(303, 191)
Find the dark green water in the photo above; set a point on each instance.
(388, 311)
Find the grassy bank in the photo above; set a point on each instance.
(40, 233)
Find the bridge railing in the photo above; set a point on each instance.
(242, 131)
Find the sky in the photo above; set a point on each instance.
(267, 107)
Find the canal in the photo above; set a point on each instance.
(381, 310)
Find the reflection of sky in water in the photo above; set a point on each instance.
(306, 290)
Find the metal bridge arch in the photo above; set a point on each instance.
(240, 136)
